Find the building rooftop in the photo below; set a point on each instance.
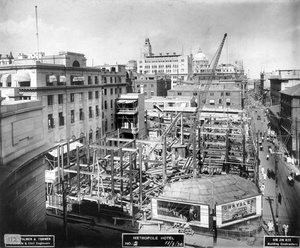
(217, 189)
(292, 91)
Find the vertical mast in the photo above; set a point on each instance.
(37, 34)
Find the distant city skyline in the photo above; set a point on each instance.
(264, 34)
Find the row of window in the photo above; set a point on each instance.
(61, 118)
(75, 80)
(91, 95)
(161, 61)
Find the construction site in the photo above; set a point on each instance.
(125, 178)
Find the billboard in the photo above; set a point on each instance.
(180, 211)
(238, 211)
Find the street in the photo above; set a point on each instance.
(288, 210)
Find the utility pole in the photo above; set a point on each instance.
(257, 160)
(276, 153)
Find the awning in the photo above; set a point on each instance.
(211, 101)
(22, 76)
(121, 101)
(131, 101)
(228, 100)
(52, 78)
(5, 78)
(126, 112)
(73, 146)
(62, 79)
(76, 79)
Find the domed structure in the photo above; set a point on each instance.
(131, 65)
(200, 62)
(200, 56)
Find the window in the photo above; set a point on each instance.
(227, 103)
(90, 95)
(179, 93)
(105, 104)
(220, 101)
(81, 114)
(89, 80)
(90, 112)
(97, 94)
(227, 93)
(50, 121)
(96, 80)
(91, 136)
(72, 116)
(50, 100)
(152, 93)
(97, 110)
(211, 93)
(98, 133)
(61, 119)
(222, 93)
(211, 102)
(111, 80)
(111, 91)
(104, 80)
(81, 96)
(152, 85)
(60, 99)
(111, 104)
(194, 93)
(120, 90)
(116, 90)
(72, 97)
(105, 92)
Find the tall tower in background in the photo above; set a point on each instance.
(147, 49)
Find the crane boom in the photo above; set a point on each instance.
(202, 93)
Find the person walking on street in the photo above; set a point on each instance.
(279, 198)
(285, 228)
(262, 188)
(265, 176)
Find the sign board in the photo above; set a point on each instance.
(17, 240)
(281, 241)
(238, 211)
(180, 211)
(153, 240)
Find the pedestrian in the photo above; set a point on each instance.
(262, 170)
(279, 198)
(262, 188)
(268, 173)
(285, 228)
(265, 176)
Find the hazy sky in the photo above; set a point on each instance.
(264, 34)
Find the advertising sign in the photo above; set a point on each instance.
(180, 211)
(237, 211)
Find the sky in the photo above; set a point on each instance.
(264, 34)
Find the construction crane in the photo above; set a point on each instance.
(202, 98)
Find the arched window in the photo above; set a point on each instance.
(76, 64)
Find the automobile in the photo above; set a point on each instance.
(240, 213)
(258, 118)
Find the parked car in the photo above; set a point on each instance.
(258, 118)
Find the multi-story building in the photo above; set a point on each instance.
(78, 100)
(284, 79)
(290, 119)
(219, 96)
(131, 115)
(176, 65)
(152, 84)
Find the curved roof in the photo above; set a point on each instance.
(223, 189)
(200, 56)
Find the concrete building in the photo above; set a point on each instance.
(78, 100)
(152, 84)
(219, 95)
(22, 167)
(130, 112)
(178, 66)
(284, 79)
(290, 119)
